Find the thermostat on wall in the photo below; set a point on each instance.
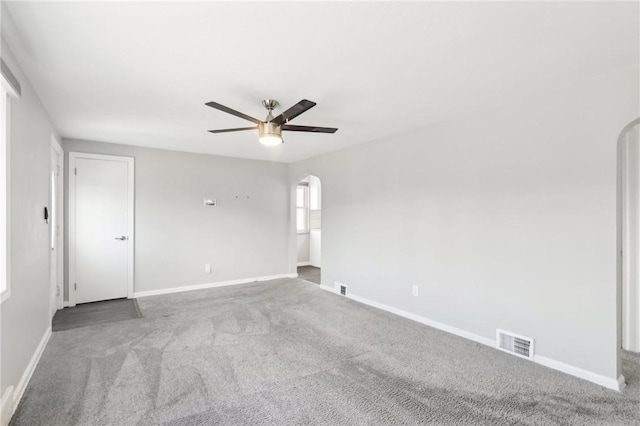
(211, 202)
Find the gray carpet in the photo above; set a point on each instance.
(96, 313)
(287, 352)
(309, 273)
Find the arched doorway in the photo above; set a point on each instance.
(629, 235)
(308, 223)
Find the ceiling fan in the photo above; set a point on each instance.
(270, 130)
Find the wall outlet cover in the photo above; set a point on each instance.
(414, 290)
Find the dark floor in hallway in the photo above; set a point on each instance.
(96, 313)
(309, 273)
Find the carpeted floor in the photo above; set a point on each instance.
(288, 352)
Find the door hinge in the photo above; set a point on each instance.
(57, 170)
(75, 286)
(75, 171)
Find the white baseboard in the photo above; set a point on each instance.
(211, 285)
(6, 406)
(621, 383)
(426, 321)
(329, 289)
(307, 263)
(615, 384)
(10, 401)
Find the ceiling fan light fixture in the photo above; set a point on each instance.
(270, 140)
(270, 130)
(270, 134)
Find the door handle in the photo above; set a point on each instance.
(123, 238)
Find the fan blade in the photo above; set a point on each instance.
(232, 130)
(232, 112)
(309, 129)
(293, 112)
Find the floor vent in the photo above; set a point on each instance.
(343, 290)
(517, 345)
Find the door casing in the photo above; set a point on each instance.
(629, 236)
(57, 279)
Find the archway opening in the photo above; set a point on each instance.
(629, 236)
(309, 229)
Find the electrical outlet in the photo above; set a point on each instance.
(415, 290)
(207, 268)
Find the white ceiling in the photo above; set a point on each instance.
(140, 73)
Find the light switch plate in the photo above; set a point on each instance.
(209, 202)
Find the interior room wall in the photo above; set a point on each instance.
(24, 317)
(505, 219)
(244, 236)
(303, 240)
(315, 222)
(315, 193)
(315, 248)
(303, 247)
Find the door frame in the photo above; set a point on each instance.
(293, 232)
(73, 157)
(628, 293)
(59, 215)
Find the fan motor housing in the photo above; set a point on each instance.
(270, 129)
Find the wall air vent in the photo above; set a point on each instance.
(515, 344)
(338, 286)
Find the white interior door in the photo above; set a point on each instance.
(103, 228)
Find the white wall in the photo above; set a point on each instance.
(315, 233)
(245, 236)
(315, 248)
(315, 193)
(303, 242)
(25, 317)
(504, 219)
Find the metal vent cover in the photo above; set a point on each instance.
(343, 290)
(515, 344)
